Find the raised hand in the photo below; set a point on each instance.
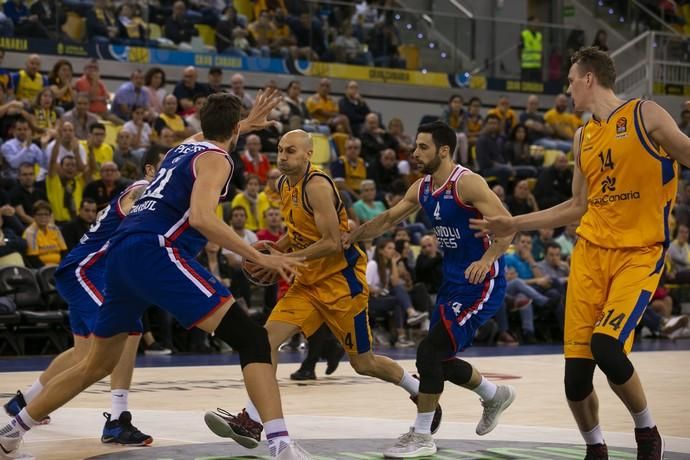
(496, 226)
(266, 101)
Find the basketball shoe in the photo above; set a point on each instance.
(289, 452)
(412, 445)
(597, 452)
(16, 404)
(493, 408)
(121, 431)
(241, 428)
(650, 444)
(9, 446)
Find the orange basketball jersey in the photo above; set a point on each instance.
(631, 181)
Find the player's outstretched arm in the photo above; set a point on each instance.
(212, 171)
(384, 221)
(128, 200)
(321, 198)
(557, 216)
(664, 131)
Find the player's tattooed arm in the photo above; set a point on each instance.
(384, 221)
(127, 201)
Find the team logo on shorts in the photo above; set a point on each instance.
(621, 127)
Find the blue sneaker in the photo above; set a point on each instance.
(121, 431)
(16, 404)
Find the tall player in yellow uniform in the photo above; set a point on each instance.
(624, 186)
(331, 288)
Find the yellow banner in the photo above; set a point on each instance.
(377, 74)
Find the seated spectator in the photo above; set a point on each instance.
(110, 185)
(553, 266)
(501, 194)
(166, 140)
(248, 200)
(679, 256)
(539, 132)
(26, 24)
(215, 81)
(375, 139)
(263, 33)
(293, 111)
(101, 22)
(522, 201)
(240, 286)
(139, 129)
(323, 108)
(186, 89)
(539, 242)
(354, 107)
(454, 116)
(66, 144)
(25, 193)
(429, 265)
(308, 36)
(50, 17)
(563, 123)
(567, 240)
(387, 170)
(21, 150)
(490, 151)
(43, 117)
(91, 84)
(284, 41)
(405, 142)
(367, 207)
(128, 160)
(65, 184)
(171, 120)
(347, 48)
(520, 297)
(237, 88)
(80, 117)
(96, 146)
(225, 28)
(272, 225)
(351, 167)
(130, 95)
(517, 151)
(43, 238)
(383, 44)
(474, 123)
(212, 259)
(73, 230)
(60, 79)
(29, 81)
(255, 162)
(131, 28)
(554, 184)
(154, 85)
(507, 118)
(12, 246)
(178, 28)
(193, 120)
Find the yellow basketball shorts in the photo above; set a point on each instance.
(608, 291)
(308, 307)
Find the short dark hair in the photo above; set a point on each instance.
(215, 70)
(441, 134)
(474, 99)
(455, 96)
(41, 205)
(21, 120)
(96, 126)
(87, 200)
(198, 96)
(26, 164)
(552, 245)
(592, 59)
(249, 177)
(293, 82)
(219, 116)
(519, 235)
(238, 208)
(152, 156)
(492, 116)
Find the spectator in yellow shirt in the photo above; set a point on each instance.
(43, 238)
(507, 117)
(170, 119)
(564, 123)
(252, 202)
(95, 144)
(323, 108)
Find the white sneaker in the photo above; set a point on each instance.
(9, 447)
(412, 445)
(674, 324)
(504, 397)
(293, 452)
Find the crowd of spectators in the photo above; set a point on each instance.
(57, 171)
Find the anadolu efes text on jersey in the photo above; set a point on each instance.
(450, 220)
(164, 207)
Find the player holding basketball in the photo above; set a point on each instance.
(80, 280)
(473, 281)
(151, 261)
(624, 187)
(331, 288)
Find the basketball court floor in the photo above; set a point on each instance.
(345, 416)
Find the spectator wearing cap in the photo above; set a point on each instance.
(80, 117)
(170, 119)
(110, 185)
(130, 95)
(186, 90)
(215, 80)
(44, 240)
(91, 84)
(73, 230)
(255, 162)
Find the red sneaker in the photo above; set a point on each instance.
(241, 428)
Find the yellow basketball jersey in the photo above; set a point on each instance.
(631, 182)
(302, 231)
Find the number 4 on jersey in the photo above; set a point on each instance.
(437, 211)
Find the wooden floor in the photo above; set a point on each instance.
(168, 403)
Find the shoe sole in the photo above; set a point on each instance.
(663, 445)
(423, 452)
(506, 404)
(221, 428)
(109, 440)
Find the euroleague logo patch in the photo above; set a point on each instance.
(621, 128)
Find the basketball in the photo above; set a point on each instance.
(249, 268)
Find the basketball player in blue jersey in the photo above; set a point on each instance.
(80, 280)
(473, 284)
(151, 261)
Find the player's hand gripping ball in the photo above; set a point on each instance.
(257, 274)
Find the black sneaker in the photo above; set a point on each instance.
(438, 413)
(16, 404)
(245, 431)
(121, 431)
(650, 444)
(156, 349)
(334, 358)
(597, 452)
(301, 374)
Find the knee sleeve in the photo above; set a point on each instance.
(246, 336)
(429, 368)
(457, 371)
(579, 373)
(611, 359)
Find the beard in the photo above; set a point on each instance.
(432, 166)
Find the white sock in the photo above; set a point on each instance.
(19, 425)
(486, 389)
(277, 436)
(409, 383)
(643, 419)
(119, 403)
(422, 423)
(33, 391)
(594, 436)
(252, 411)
